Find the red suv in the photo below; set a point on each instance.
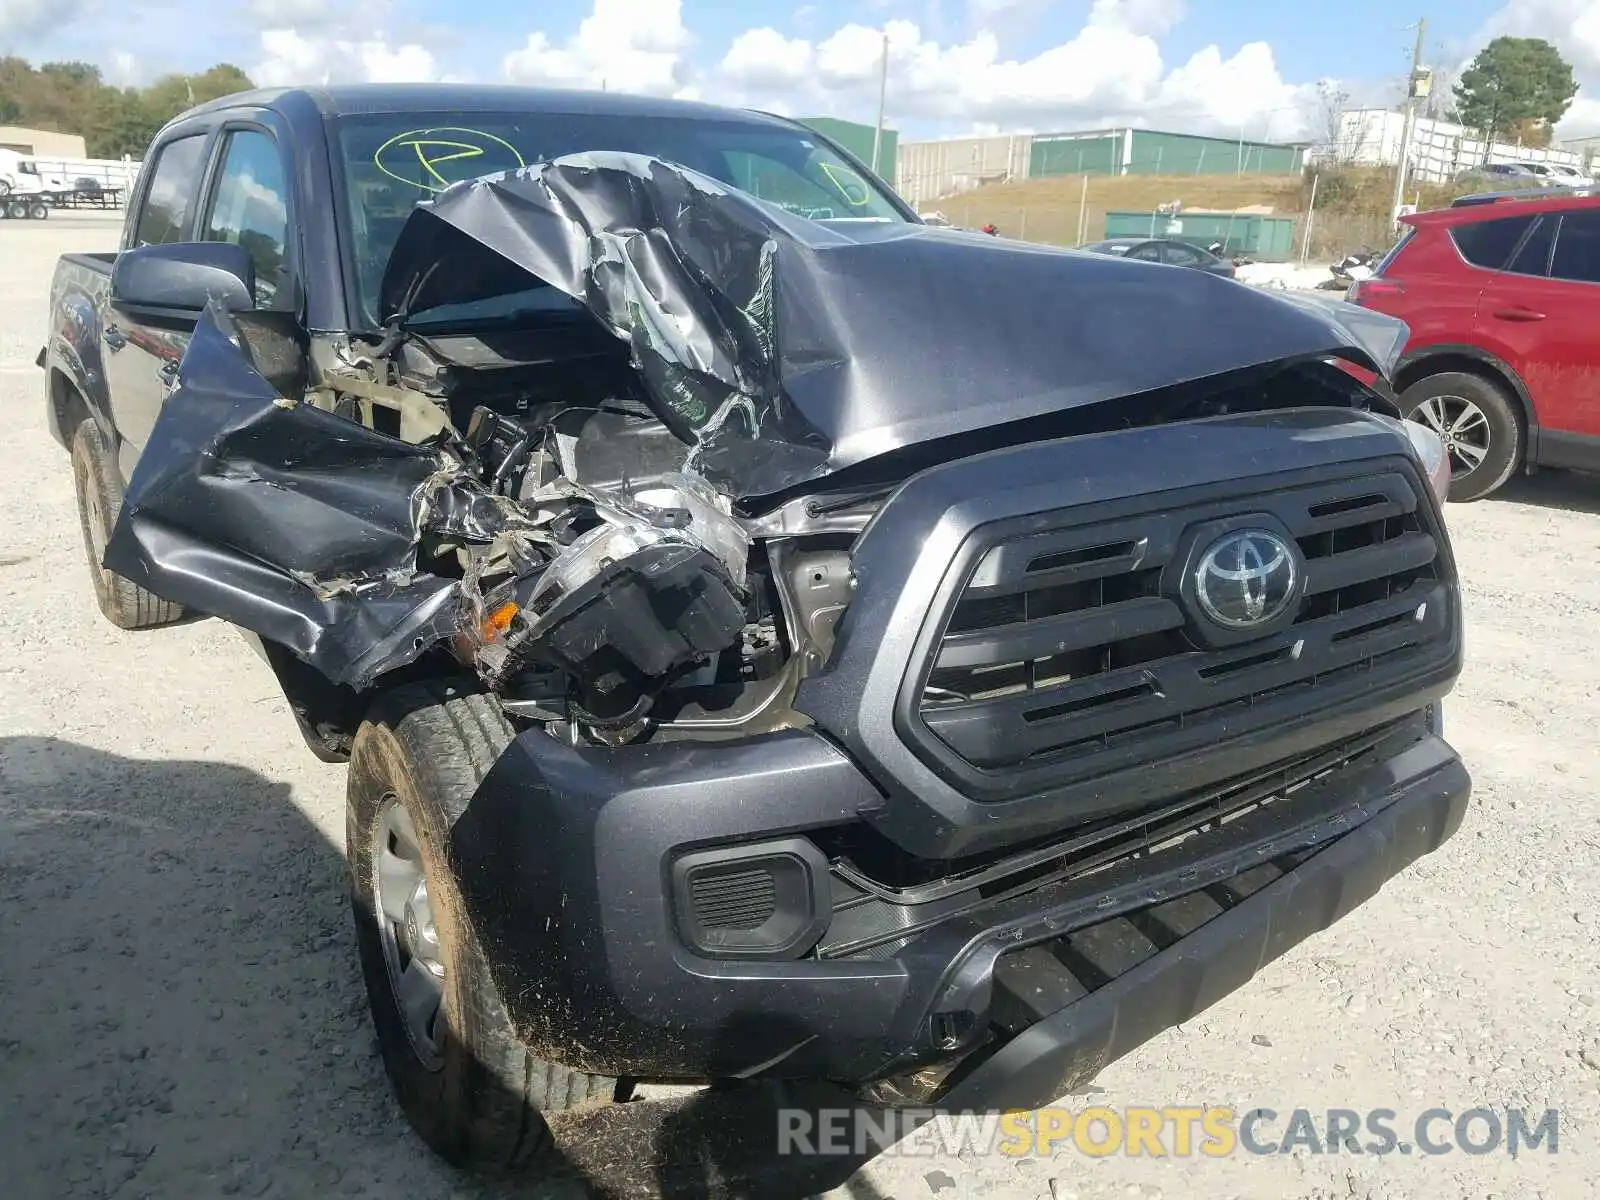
(1503, 301)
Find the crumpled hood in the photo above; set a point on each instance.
(785, 349)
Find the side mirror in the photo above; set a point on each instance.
(179, 279)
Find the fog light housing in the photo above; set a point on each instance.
(766, 900)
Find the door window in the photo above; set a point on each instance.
(1533, 256)
(1149, 252)
(1180, 255)
(172, 191)
(250, 209)
(1577, 255)
(1490, 243)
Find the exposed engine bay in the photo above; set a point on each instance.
(629, 514)
(565, 554)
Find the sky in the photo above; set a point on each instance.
(1241, 67)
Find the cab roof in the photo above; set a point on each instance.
(374, 98)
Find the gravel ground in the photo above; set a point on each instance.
(183, 1013)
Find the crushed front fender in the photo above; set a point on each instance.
(293, 523)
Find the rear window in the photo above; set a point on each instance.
(1577, 254)
(1489, 243)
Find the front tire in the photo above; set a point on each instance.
(465, 1081)
(1477, 420)
(124, 603)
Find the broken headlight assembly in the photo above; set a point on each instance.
(630, 588)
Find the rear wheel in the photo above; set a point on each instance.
(17, 210)
(1478, 423)
(124, 603)
(38, 211)
(465, 1081)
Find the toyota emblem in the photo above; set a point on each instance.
(1247, 578)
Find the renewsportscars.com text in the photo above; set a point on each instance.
(1172, 1131)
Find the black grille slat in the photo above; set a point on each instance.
(1408, 552)
(1034, 666)
(1059, 634)
(1063, 557)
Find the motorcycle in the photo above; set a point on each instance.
(1357, 266)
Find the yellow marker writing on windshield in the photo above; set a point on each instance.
(851, 186)
(434, 147)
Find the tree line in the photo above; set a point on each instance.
(72, 97)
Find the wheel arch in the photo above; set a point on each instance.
(68, 408)
(1472, 360)
(329, 713)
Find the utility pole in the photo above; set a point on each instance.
(1413, 81)
(883, 92)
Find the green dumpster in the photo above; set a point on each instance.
(1266, 238)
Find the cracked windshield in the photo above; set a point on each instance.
(391, 163)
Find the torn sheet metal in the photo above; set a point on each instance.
(342, 543)
(783, 349)
(296, 524)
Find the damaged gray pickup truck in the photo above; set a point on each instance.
(771, 638)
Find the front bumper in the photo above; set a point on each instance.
(564, 857)
(1071, 1044)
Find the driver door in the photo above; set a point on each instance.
(141, 356)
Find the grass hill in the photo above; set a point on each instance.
(1352, 208)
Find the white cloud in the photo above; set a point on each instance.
(626, 45)
(296, 58)
(760, 56)
(298, 15)
(25, 18)
(1111, 71)
(1000, 16)
(1153, 18)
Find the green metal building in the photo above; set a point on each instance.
(1152, 152)
(858, 139)
(1076, 154)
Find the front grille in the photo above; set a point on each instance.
(1070, 641)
